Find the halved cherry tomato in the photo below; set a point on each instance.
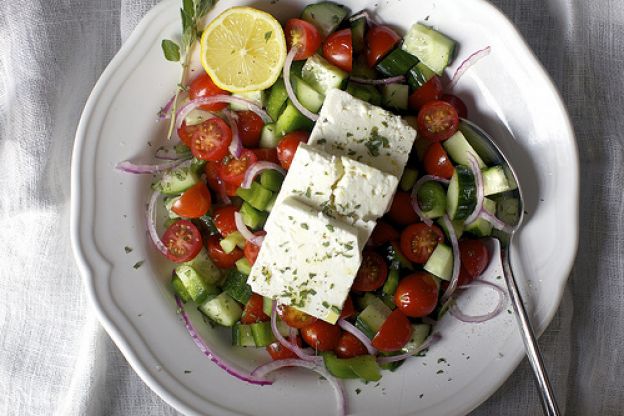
(321, 336)
(372, 273)
(348, 310)
(253, 310)
(349, 346)
(474, 256)
(202, 86)
(394, 332)
(456, 102)
(304, 36)
(220, 258)
(211, 140)
(379, 40)
(437, 162)
(223, 219)
(429, 91)
(279, 352)
(382, 234)
(211, 169)
(194, 202)
(437, 121)
(338, 49)
(417, 295)
(463, 279)
(287, 147)
(419, 240)
(270, 155)
(232, 170)
(294, 317)
(251, 250)
(401, 210)
(183, 241)
(249, 128)
(185, 133)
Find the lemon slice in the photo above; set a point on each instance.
(243, 49)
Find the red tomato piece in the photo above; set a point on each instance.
(474, 256)
(279, 352)
(419, 240)
(251, 250)
(429, 91)
(211, 139)
(253, 311)
(372, 273)
(348, 310)
(394, 332)
(223, 219)
(321, 336)
(185, 133)
(194, 202)
(382, 234)
(437, 121)
(288, 146)
(202, 86)
(338, 49)
(232, 170)
(294, 317)
(349, 346)
(458, 103)
(417, 295)
(437, 162)
(183, 241)
(379, 40)
(270, 155)
(220, 258)
(463, 279)
(304, 36)
(401, 210)
(250, 127)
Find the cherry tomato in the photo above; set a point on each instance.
(279, 352)
(211, 169)
(455, 101)
(394, 332)
(419, 240)
(232, 170)
(437, 121)
(249, 127)
(382, 234)
(294, 317)
(251, 250)
(463, 279)
(183, 241)
(338, 49)
(194, 202)
(303, 35)
(417, 295)
(349, 346)
(429, 91)
(321, 336)
(211, 140)
(379, 40)
(202, 86)
(474, 256)
(223, 219)
(253, 310)
(220, 258)
(348, 310)
(185, 133)
(270, 155)
(437, 162)
(401, 210)
(288, 146)
(372, 273)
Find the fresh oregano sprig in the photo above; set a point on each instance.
(192, 12)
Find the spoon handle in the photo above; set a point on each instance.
(549, 403)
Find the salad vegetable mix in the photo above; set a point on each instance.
(323, 200)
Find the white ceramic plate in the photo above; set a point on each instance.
(508, 93)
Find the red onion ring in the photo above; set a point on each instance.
(205, 349)
(467, 63)
(289, 88)
(383, 81)
(245, 232)
(347, 326)
(502, 296)
(426, 344)
(236, 145)
(414, 196)
(220, 98)
(291, 346)
(476, 171)
(265, 369)
(496, 222)
(129, 167)
(456, 259)
(151, 225)
(258, 167)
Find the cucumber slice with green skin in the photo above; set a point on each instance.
(461, 196)
(194, 284)
(358, 35)
(271, 180)
(204, 266)
(367, 299)
(420, 332)
(364, 367)
(231, 241)
(290, 120)
(481, 227)
(372, 317)
(408, 180)
(236, 286)
(222, 309)
(326, 16)
(440, 263)
(419, 75)
(321, 75)
(271, 203)
(458, 149)
(307, 96)
(430, 46)
(257, 97)
(395, 96)
(458, 227)
(495, 181)
(277, 99)
(242, 336)
(368, 93)
(267, 305)
(337, 367)
(262, 333)
(268, 137)
(243, 266)
(257, 195)
(391, 283)
(179, 289)
(252, 217)
(397, 62)
(360, 68)
(432, 199)
(177, 180)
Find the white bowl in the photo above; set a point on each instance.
(508, 94)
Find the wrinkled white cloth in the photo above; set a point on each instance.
(55, 358)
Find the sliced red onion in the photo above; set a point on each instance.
(151, 224)
(476, 171)
(220, 98)
(165, 112)
(467, 63)
(245, 232)
(456, 259)
(426, 344)
(496, 222)
(414, 198)
(265, 369)
(205, 349)
(383, 81)
(258, 167)
(236, 145)
(291, 346)
(502, 296)
(347, 326)
(289, 88)
(129, 167)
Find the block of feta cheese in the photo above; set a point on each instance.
(308, 260)
(351, 127)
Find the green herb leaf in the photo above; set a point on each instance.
(171, 50)
(202, 7)
(188, 8)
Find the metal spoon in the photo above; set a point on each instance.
(491, 154)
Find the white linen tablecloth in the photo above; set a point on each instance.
(55, 359)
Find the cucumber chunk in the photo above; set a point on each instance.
(197, 116)
(326, 16)
(177, 180)
(461, 196)
(419, 75)
(179, 289)
(236, 286)
(458, 227)
(252, 217)
(368, 93)
(397, 62)
(268, 137)
(262, 333)
(458, 148)
(432, 199)
(495, 181)
(242, 336)
(430, 46)
(408, 180)
(481, 227)
(277, 99)
(420, 332)
(194, 284)
(307, 96)
(271, 180)
(290, 120)
(222, 309)
(257, 195)
(337, 367)
(257, 97)
(440, 263)
(169, 201)
(358, 34)
(243, 266)
(321, 75)
(231, 241)
(391, 283)
(204, 266)
(372, 317)
(395, 96)
(365, 367)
